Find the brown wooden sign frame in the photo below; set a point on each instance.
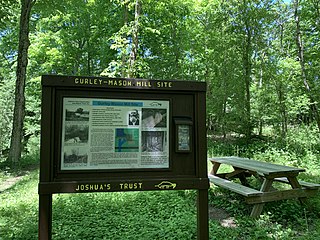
(181, 162)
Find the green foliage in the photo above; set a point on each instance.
(6, 108)
(245, 51)
(19, 209)
(280, 220)
(27, 163)
(148, 215)
(300, 148)
(135, 215)
(284, 219)
(8, 9)
(124, 216)
(228, 44)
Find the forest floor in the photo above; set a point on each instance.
(9, 182)
(226, 220)
(214, 213)
(222, 216)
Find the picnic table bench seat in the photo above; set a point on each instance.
(235, 187)
(302, 183)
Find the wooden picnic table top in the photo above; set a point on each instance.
(262, 168)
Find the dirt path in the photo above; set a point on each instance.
(8, 183)
(222, 216)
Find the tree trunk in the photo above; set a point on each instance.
(123, 54)
(135, 40)
(282, 109)
(300, 47)
(247, 78)
(281, 94)
(22, 62)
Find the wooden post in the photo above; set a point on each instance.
(203, 215)
(45, 216)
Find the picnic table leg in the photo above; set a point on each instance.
(257, 208)
(215, 168)
(295, 184)
(240, 173)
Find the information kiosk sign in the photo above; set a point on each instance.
(114, 134)
(105, 134)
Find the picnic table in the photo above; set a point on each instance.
(267, 173)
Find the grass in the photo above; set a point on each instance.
(149, 215)
(165, 214)
(132, 215)
(19, 209)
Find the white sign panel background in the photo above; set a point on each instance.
(114, 134)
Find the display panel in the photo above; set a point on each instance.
(114, 134)
(184, 138)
